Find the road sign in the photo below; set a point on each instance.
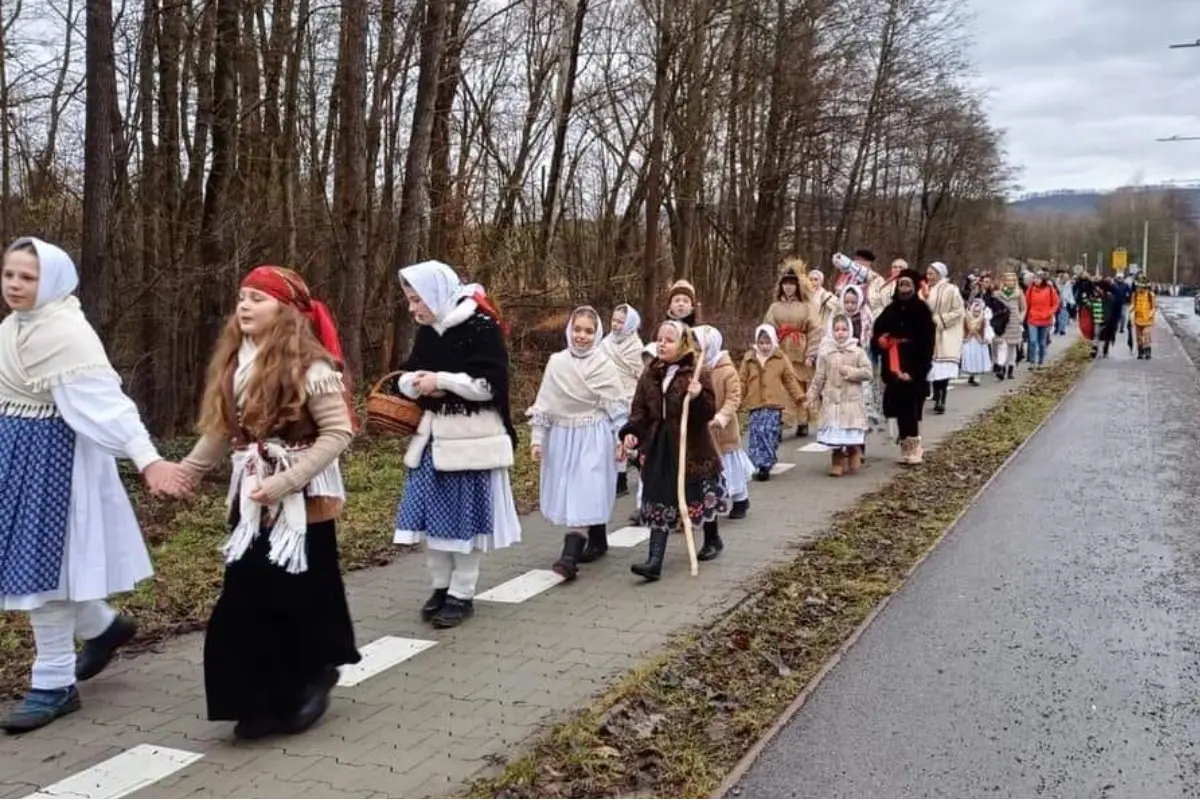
(1120, 259)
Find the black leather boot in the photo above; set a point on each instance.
(801, 431)
(454, 613)
(1011, 370)
(739, 508)
(568, 563)
(314, 703)
(1147, 352)
(622, 484)
(713, 545)
(652, 569)
(98, 652)
(434, 604)
(597, 544)
(762, 474)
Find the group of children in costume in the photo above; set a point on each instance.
(276, 403)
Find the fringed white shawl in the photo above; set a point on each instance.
(579, 388)
(624, 348)
(288, 520)
(42, 349)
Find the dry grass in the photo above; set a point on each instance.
(675, 726)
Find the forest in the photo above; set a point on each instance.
(1158, 227)
(558, 151)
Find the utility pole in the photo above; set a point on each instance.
(1175, 261)
(1146, 248)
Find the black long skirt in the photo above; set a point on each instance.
(272, 633)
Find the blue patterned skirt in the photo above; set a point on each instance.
(763, 435)
(36, 459)
(446, 505)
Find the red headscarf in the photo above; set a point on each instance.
(288, 287)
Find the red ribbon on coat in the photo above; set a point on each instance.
(892, 345)
(788, 332)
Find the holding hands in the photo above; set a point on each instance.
(170, 479)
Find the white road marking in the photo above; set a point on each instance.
(630, 536)
(383, 653)
(522, 587)
(121, 775)
(781, 467)
(813, 447)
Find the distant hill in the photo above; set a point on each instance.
(1086, 201)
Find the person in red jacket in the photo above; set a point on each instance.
(1042, 302)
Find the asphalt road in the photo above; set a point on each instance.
(1049, 646)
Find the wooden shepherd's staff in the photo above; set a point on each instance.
(680, 491)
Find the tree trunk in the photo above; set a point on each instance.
(652, 278)
(572, 36)
(351, 188)
(217, 286)
(101, 83)
(414, 196)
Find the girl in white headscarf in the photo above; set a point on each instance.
(457, 495)
(623, 346)
(977, 330)
(68, 535)
(946, 303)
(768, 382)
(843, 370)
(725, 428)
(573, 423)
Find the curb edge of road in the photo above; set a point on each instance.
(752, 755)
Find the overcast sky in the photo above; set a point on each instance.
(1084, 87)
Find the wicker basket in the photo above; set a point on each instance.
(389, 414)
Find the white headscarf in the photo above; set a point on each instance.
(940, 268)
(651, 349)
(633, 321)
(57, 276)
(55, 341)
(439, 287)
(769, 330)
(829, 343)
(710, 340)
(590, 312)
(624, 348)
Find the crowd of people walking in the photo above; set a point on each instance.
(868, 353)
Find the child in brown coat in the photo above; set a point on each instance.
(676, 376)
(768, 380)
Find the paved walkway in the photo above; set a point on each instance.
(1047, 648)
(442, 707)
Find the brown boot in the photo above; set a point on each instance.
(856, 459)
(837, 463)
(918, 452)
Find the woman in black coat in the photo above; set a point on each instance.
(904, 333)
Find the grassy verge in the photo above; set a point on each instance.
(184, 540)
(675, 726)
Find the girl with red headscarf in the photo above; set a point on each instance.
(275, 395)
